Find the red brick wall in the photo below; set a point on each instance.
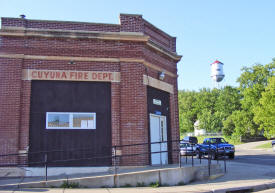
(131, 23)
(135, 23)
(116, 128)
(160, 60)
(64, 65)
(133, 112)
(128, 23)
(158, 36)
(72, 47)
(129, 103)
(12, 22)
(10, 105)
(42, 24)
(175, 134)
(25, 112)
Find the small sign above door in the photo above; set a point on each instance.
(157, 102)
(157, 113)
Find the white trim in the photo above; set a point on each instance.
(161, 85)
(151, 114)
(71, 120)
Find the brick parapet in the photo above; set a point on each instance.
(65, 25)
(135, 23)
(159, 37)
(128, 23)
(131, 23)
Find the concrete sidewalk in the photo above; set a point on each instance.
(254, 185)
(239, 177)
(120, 170)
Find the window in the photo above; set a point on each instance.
(185, 145)
(65, 120)
(206, 141)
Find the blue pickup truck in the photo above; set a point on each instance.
(215, 147)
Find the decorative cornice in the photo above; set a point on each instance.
(172, 55)
(88, 59)
(53, 33)
(79, 34)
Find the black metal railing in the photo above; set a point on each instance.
(114, 157)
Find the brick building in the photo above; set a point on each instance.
(75, 85)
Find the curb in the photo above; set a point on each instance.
(213, 177)
(241, 189)
(258, 187)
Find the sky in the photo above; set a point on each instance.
(236, 32)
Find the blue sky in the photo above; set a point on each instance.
(236, 32)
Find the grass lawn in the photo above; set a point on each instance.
(264, 146)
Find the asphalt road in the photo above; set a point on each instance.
(267, 191)
(267, 158)
(251, 155)
(245, 153)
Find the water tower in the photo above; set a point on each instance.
(217, 72)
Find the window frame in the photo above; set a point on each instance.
(71, 120)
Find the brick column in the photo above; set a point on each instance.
(133, 113)
(115, 113)
(174, 122)
(10, 104)
(25, 119)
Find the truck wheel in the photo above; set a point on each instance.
(232, 156)
(213, 155)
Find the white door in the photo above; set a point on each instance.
(158, 133)
(163, 133)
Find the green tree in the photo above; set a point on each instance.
(211, 122)
(187, 110)
(211, 107)
(243, 125)
(265, 110)
(228, 101)
(253, 81)
(206, 100)
(240, 112)
(205, 118)
(228, 126)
